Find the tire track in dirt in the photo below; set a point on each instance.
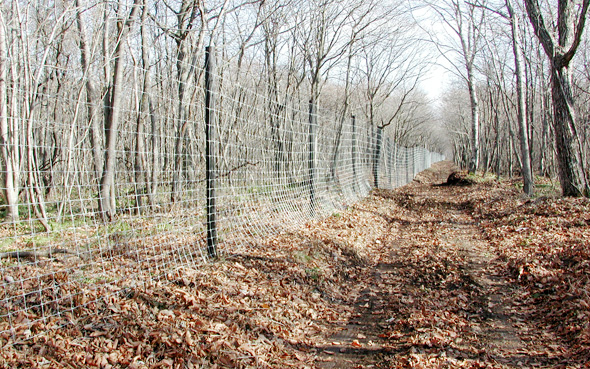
(435, 298)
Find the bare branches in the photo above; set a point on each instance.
(540, 27)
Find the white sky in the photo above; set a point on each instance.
(435, 82)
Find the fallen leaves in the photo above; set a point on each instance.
(424, 276)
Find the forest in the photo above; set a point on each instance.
(143, 137)
(129, 77)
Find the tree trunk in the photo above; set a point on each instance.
(543, 167)
(106, 199)
(473, 161)
(377, 156)
(151, 181)
(569, 156)
(525, 152)
(91, 103)
(179, 164)
(10, 168)
(560, 51)
(140, 175)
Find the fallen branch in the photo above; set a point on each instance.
(33, 254)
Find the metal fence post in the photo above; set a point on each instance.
(417, 161)
(210, 151)
(312, 148)
(353, 153)
(408, 165)
(389, 163)
(377, 156)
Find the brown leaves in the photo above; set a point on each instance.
(430, 277)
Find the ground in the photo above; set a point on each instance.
(472, 275)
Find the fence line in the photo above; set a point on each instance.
(270, 163)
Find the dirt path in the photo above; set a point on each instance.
(434, 296)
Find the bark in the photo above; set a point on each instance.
(186, 18)
(151, 181)
(10, 168)
(474, 102)
(112, 118)
(91, 102)
(572, 175)
(522, 114)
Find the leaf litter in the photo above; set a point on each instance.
(425, 276)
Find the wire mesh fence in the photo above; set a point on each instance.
(77, 230)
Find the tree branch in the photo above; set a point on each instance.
(569, 54)
(534, 12)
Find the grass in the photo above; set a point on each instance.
(480, 177)
(314, 273)
(546, 187)
(6, 245)
(302, 257)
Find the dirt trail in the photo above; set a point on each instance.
(434, 294)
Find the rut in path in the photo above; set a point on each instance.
(434, 294)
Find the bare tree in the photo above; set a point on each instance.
(523, 126)
(521, 96)
(112, 118)
(91, 98)
(188, 16)
(322, 42)
(560, 47)
(370, 21)
(464, 20)
(9, 148)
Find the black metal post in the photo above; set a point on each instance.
(408, 165)
(389, 152)
(210, 151)
(354, 159)
(312, 148)
(377, 156)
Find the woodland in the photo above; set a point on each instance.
(129, 76)
(301, 130)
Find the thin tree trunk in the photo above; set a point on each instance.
(151, 180)
(106, 198)
(33, 84)
(10, 167)
(522, 114)
(91, 102)
(543, 167)
(473, 99)
(343, 115)
(179, 168)
(141, 178)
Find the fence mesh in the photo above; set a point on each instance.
(63, 251)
